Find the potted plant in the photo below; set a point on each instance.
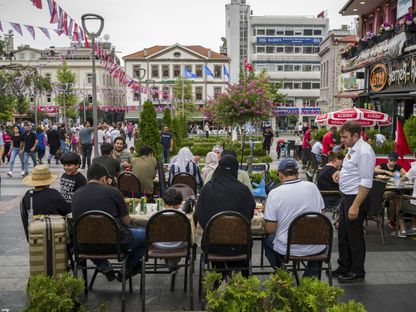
(410, 131)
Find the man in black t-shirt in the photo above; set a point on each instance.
(107, 161)
(29, 148)
(167, 143)
(268, 139)
(72, 179)
(98, 195)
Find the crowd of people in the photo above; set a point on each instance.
(221, 186)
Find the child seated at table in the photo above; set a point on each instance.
(172, 199)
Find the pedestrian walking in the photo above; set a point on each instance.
(54, 143)
(7, 143)
(167, 143)
(17, 147)
(30, 142)
(130, 130)
(85, 137)
(41, 146)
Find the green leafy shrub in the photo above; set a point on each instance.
(319, 133)
(371, 134)
(410, 131)
(58, 294)
(275, 293)
(167, 120)
(385, 148)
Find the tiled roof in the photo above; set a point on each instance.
(155, 49)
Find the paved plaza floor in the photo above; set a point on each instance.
(390, 283)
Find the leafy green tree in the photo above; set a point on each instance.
(176, 134)
(22, 104)
(183, 123)
(410, 131)
(149, 129)
(276, 96)
(66, 79)
(7, 104)
(182, 90)
(167, 119)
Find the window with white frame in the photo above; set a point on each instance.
(288, 85)
(217, 71)
(260, 49)
(198, 93)
(165, 71)
(198, 70)
(176, 71)
(155, 71)
(89, 78)
(217, 91)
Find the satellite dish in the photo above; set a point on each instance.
(106, 37)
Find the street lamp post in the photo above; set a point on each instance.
(140, 73)
(93, 35)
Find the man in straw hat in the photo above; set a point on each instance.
(46, 200)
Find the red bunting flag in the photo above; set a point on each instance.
(248, 66)
(37, 3)
(86, 44)
(45, 31)
(400, 144)
(75, 37)
(31, 30)
(65, 23)
(54, 14)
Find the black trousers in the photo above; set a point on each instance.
(351, 243)
(86, 154)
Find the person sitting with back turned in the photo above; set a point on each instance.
(242, 175)
(98, 195)
(112, 165)
(225, 193)
(185, 162)
(282, 207)
(211, 163)
(46, 200)
(144, 168)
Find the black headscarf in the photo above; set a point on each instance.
(224, 193)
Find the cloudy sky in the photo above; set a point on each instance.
(136, 24)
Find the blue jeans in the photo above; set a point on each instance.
(26, 160)
(136, 246)
(14, 154)
(166, 156)
(277, 261)
(64, 147)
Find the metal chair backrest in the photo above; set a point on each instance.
(168, 225)
(227, 228)
(185, 178)
(24, 216)
(310, 228)
(97, 232)
(129, 185)
(185, 190)
(376, 197)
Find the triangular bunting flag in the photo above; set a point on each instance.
(86, 44)
(17, 28)
(37, 3)
(54, 14)
(60, 18)
(71, 23)
(59, 31)
(31, 30)
(50, 5)
(46, 32)
(65, 24)
(75, 37)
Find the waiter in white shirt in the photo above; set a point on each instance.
(355, 182)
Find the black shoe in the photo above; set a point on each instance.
(110, 275)
(49, 161)
(350, 277)
(136, 270)
(339, 272)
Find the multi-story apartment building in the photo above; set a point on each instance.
(48, 61)
(337, 89)
(159, 68)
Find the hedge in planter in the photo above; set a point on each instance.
(276, 293)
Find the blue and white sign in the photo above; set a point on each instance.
(305, 111)
(289, 40)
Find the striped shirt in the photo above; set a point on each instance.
(191, 168)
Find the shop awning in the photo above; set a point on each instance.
(350, 94)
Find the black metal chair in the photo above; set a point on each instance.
(184, 189)
(377, 207)
(310, 228)
(97, 237)
(162, 179)
(168, 225)
(186, 178)
(226, 238)
(129, 185)
(324, 160)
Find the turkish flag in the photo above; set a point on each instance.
(248, 66)
(400, 144)
(37, 3)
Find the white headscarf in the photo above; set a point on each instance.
(183, 158)
(211, 160)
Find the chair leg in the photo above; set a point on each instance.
(186, 272)
(295, 271)
(201, 268)
(329, 273)
(262, 253)
(85, 276)
(93, 279)
(123, 285)
(191, 283)
(142, 284)
(194, 247)
(382, 230)
(172, 281)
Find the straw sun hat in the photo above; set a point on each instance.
(40, 176)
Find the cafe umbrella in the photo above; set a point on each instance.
(365, 117)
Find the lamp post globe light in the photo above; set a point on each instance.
(93, 35)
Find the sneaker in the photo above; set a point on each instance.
(22, 173)
(10, 174)
(399, 234)
(49, 161)
(109, 274)
(411, 232)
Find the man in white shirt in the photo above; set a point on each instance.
(282, 208)
(317, 149)
(355, 182)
